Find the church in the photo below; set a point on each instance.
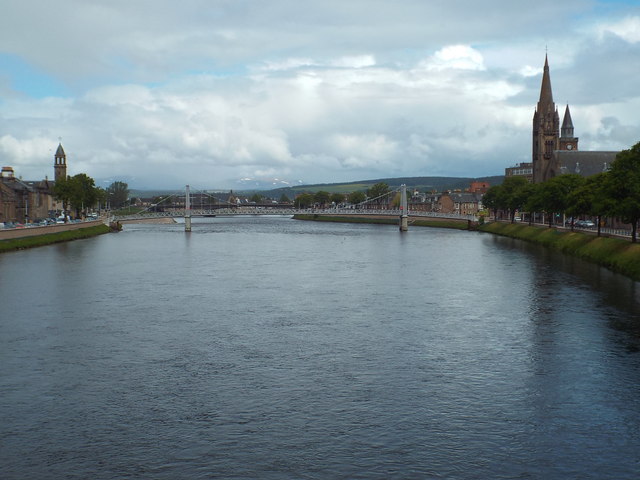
(25, 201)
(555, 147)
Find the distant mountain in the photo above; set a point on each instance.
(423, 184)
(265, 184)
(250, 186)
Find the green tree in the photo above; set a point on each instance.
(284, 199)
(590, 198)
(534, 201)
(396, 201)
(321, 198)
(377, 192)
(492, 199)
(101, 197)
(554, 194)
(622, 186)
(78, 192)
(337, 198)
(356, 197)
(63, 191)
(304, 200)
(513, 195)
(117, 194)
(256, 198)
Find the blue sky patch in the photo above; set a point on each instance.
(26, 79)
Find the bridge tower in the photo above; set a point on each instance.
(187, 210)
(404, 209)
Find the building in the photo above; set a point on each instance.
(555, 147)
(479, 187)
(462, 203)
(524, 169)
(23, 201)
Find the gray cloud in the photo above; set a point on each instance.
(209, 92)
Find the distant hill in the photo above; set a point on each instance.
(423, 184)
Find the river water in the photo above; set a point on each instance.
(269, 348)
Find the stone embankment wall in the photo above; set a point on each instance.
(13, 233)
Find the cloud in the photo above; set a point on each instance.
(326, 91)
(461, 57)
(627, 29)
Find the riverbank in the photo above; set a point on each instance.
(383, 220)
(620, 256)
(40, 238)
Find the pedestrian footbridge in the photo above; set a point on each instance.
(361, 210)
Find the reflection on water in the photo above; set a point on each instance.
(271, 348)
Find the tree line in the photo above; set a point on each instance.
(611, 194)
(322, 198)
(79, 193)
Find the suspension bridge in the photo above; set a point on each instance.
(369, 207)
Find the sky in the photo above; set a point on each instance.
(214, 93)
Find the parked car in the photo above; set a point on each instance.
(584, 224)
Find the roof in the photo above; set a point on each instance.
(60, 151)
(546, 97)
(583, 162)
(567, 122)
(16, 184)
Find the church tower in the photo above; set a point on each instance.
(567, 140)
(60, 164)
(546, 131)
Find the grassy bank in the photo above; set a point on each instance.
(616, 254)
(457, 224)
(49, 238)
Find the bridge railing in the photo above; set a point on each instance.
(292, 211)
(395, 212)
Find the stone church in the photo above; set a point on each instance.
(555, 147)
(26, 201)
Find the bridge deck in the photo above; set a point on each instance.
(291, 211)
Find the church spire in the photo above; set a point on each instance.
(546, 131)
(546, 97)
(567, 124)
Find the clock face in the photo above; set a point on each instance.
(569, 147)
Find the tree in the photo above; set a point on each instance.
(377, 191)
(622, 186)
(63, 191)
(590, 198)
(336, 198)
(78, 192)
(356, 197)
(554, 193)
(513, 194)
(101, 197)
(284, 199)
(256, 198)
(117, 194)
(321, 197)
(491, 199)
(304, 200)
(534, 201)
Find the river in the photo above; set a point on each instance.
(269, 348)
